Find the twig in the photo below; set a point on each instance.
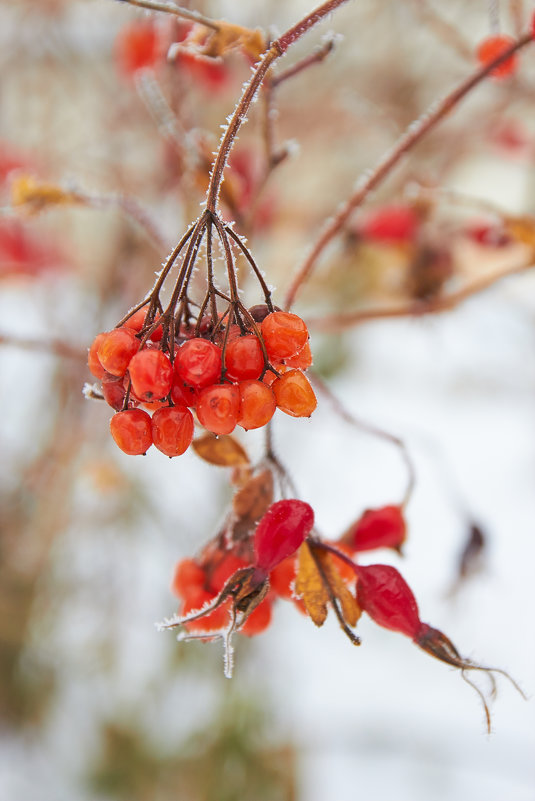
(178, 11)
(370, 180)
(338, 322)
(52, 346)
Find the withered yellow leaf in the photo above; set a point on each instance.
(224, 451)
(36, 195)
(252, 501)
(310, 587)
(229, 36)
(319, 582)
(522, 229)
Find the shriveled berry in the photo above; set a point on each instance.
(260, 311)
(259, 619)
(172, 429)
(116, 349)
(151, 373)
(188, 577)
(93, 362)
(131, 430)
(492, 47)
(294, 394)
(198, 362)
(244, 358)
(378, 528)
(284, 334)
(257, 404)
(385, 595)
(114, 392)
(218, 407)
(281, 531)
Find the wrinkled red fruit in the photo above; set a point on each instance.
(384, 594)
(172, 429)
(131, 431)
(281, 531)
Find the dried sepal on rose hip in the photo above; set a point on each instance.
(279, 533)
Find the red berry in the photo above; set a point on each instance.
(385, 595)
(137, 47)
(114, 392)
(281, 531)
(390, 224)
(284, 334)
(117, 349)
(294, 394)
(218, 408)
(301, 360)
(198, 362)
(218, 619)
(257, 404)
(259, 619)
(187, 578)
(282, 577)
(493, 46)
(151, 373)
(224, 570)
(93, 362)
(378, 528)
(131, 430)
(209, 73)
(137, 322)
(172, 429)
(182, 394)
(244, 358)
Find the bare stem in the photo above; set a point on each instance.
(338, 322)
(178, 11)
(370, 180)
(277, 49)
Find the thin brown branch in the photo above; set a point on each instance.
(441, 303)
(319, 55)
(370, 180)
(178, 11)
(52, 346)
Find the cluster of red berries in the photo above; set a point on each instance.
(239, 379)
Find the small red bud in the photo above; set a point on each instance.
(378, 528)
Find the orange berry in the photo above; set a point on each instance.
(198, 362)
(131, 431)
(257, 404)
(301, 360)
(93, 362)
(137, 322)
(284, 334)
(116, 350)
(490, 48)
(151, 373)
(172, 429)
(218, 408)
(294, 394)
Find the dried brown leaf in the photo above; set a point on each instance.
(224, 451)
(252, 501)
(522, 229)
(36, 195)
(229, 37)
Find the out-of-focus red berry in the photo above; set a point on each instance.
(390, 224)
(378, 528)
(131, 430)
(259, 619)
(224, 570)
(492, 47)
(188, 577)
(282, 577)
(137, 47)
(218, 407)
(218, 619)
